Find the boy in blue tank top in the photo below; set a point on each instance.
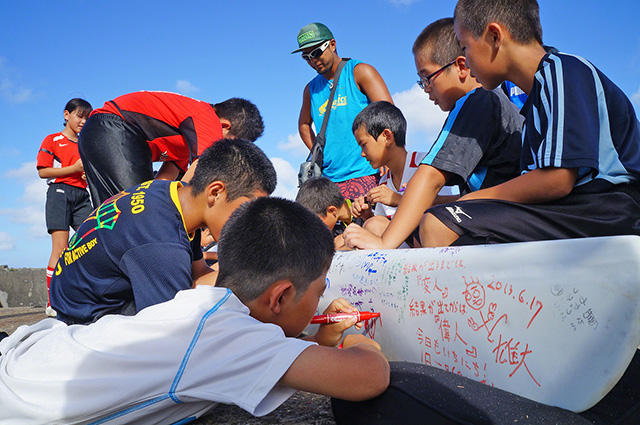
(359, 84)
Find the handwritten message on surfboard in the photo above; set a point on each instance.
(557, 321)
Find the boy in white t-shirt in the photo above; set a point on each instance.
(380, 131)
(232, 343)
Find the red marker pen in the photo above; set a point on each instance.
(339, 317)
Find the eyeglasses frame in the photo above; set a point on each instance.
(426, 81)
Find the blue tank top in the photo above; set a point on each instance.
(342, 155)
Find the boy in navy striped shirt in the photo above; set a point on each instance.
(581, 142)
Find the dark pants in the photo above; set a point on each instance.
(115, 156)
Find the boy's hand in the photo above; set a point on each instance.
(385, 195)
(357, 237)
(359, 206)
(330, 334)
(77, 167)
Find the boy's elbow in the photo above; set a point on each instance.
(376, 382)
(564, 182)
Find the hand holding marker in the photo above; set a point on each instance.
(338, 317)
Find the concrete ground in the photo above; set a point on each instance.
(301, 409)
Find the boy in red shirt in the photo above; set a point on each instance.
(122, 139)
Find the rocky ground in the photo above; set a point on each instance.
(301, 409)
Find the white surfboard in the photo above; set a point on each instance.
(557, 322)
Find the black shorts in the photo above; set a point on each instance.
(115, 155)
(66, 206)
(574, 216)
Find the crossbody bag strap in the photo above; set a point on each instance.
(319, 140)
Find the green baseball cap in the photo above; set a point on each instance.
(312, 34)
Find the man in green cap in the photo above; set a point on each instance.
(359, 84)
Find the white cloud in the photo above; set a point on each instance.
(24, 174)
(294, 145)
(185, 87)
(7, 242)
(287, 179)
(9, 89)
(421, 114)
(424, 119)
(30, 209)
(13, 93)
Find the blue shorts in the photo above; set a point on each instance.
(67, 206)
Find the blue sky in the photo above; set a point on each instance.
(209, 50)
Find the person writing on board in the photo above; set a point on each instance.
(232, 343)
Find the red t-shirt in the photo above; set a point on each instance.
(176, 127)
(58, 151)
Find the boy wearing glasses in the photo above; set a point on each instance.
(478, 146)
(581, 140)
(359, 85)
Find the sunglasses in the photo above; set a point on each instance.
(426, 81)
(317, 52)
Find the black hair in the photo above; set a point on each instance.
(318, 194)
(244, 116)
(272, 239)
(520, 17)
(239, 164)
(83, 107)
(440, 40)
(378, 116)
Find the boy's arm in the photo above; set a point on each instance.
(305, 120)
(358, 372)
(188, 175)
(418, 197)
(202, 274)
(168, 171)
(51, 172)
(535, 187)
(371, 83)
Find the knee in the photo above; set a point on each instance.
(376, 224)
(434, 233)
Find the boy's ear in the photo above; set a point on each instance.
(463, 71)
(280, 295)
(494, 35)
(214, 190)
(388, 136)
(226, 127)
(333, 210)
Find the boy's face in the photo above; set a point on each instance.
(478, 53)
(218, 215)
(329, 219)
(75, 121)
(372, 149)
(443, 88)
(299, 314)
